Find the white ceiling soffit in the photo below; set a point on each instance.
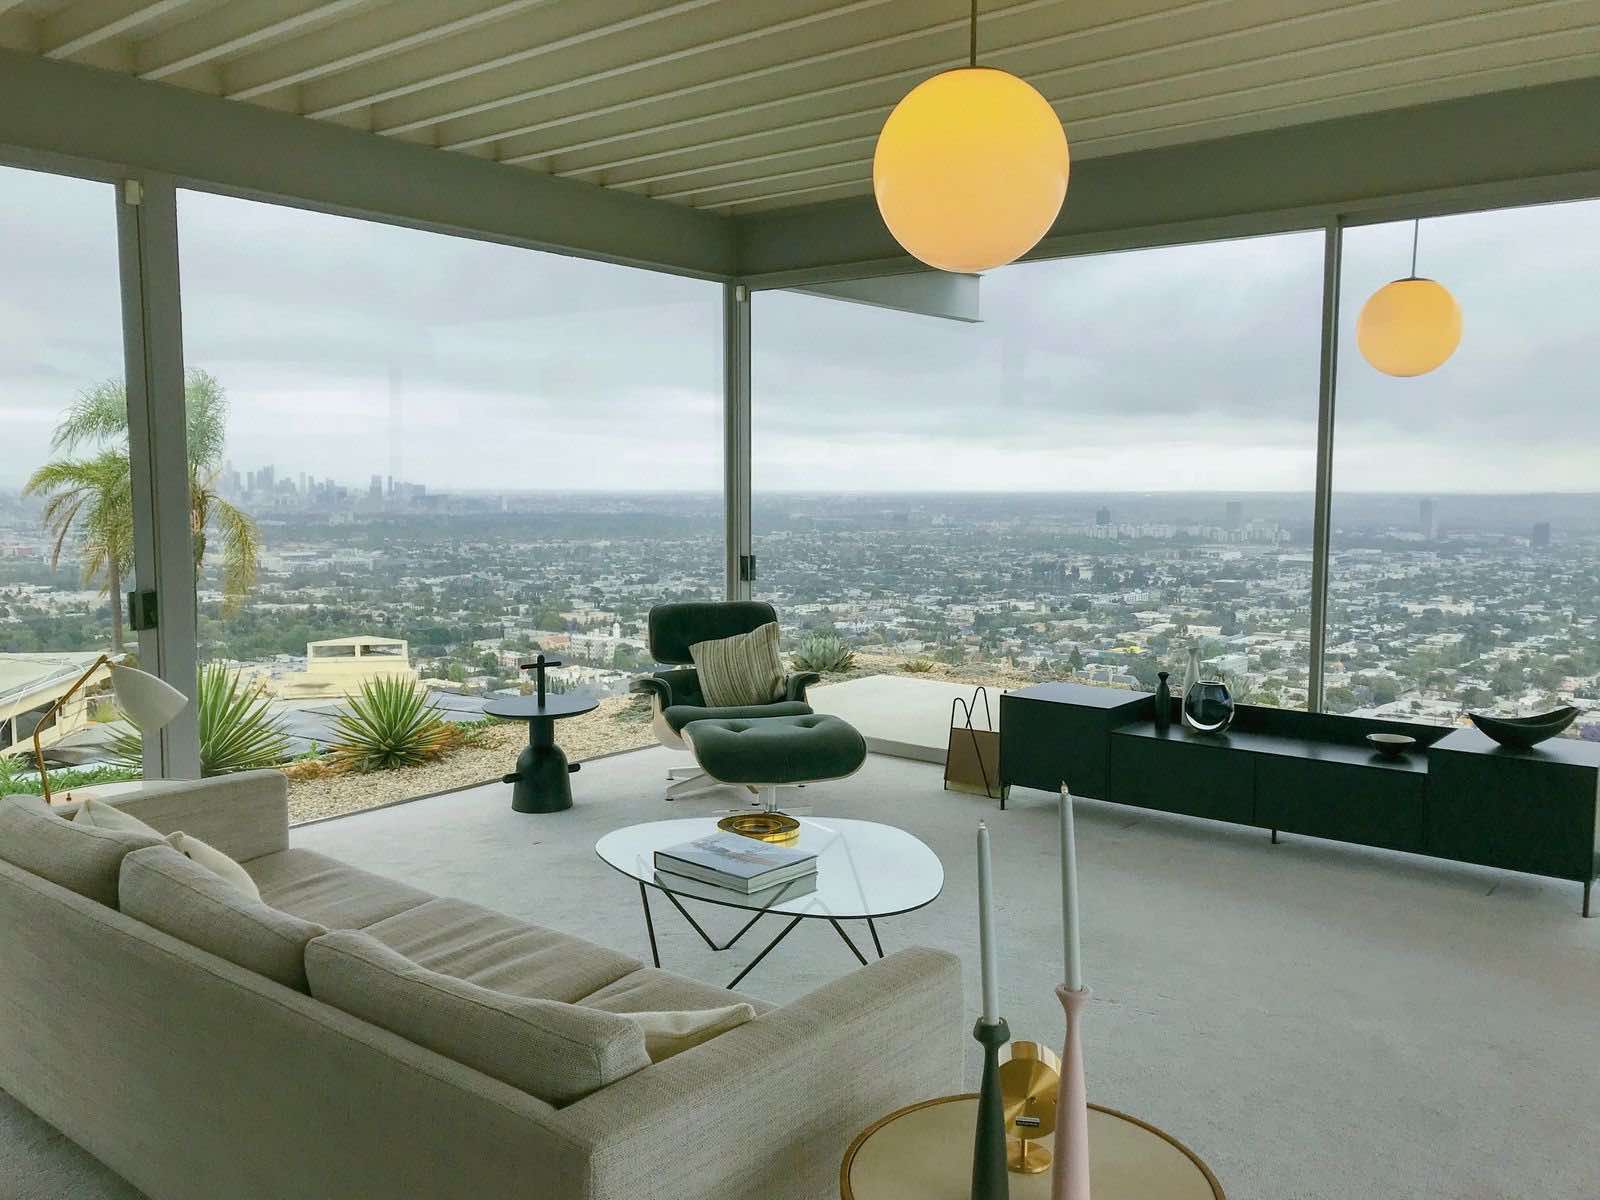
(746, 105)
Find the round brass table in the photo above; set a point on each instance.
(924, 1152)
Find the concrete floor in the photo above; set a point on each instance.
(1315, 1020)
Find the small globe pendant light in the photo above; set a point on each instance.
(1411, 326)
(971, 167)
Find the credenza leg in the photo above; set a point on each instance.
(1587, 888)
(1274, 837)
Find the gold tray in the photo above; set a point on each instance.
(762, 826)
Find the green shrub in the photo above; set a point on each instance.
(918, 666)
(14, 781)
(391, 723)
(238, 731)
(824, 652)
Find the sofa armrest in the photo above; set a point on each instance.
(244, 815)
(769, 1108)
(794, 686)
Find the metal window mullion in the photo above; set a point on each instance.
(736, 436)
(147, 234)
(1322, 521)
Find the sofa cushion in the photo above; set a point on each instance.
(170, 891)
(317, 888)
(495, 951)
(82, 858)
(96, 812)
(742, 669)
(557, 1052)
(650, 989)
(219, 864)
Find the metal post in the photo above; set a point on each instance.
(152, 330)
(1322, 522)
(736, 439)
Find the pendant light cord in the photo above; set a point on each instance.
(1416, 227)
(972, 51)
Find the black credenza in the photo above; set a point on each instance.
(1457, 795)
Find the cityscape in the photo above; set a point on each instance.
(1438, 604)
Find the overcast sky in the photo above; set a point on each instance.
(1179, 368)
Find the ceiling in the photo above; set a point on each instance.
(738, 106)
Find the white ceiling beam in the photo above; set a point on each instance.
(809, 60)
(469, 64)
(629, 68)
(80, 26)
(1074, 98)
(1253, 111)
(1116, 25)
(231, 30)
(379, 35)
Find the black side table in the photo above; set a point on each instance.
(541, 779)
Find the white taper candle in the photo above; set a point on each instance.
(1072, 953)
(991, 986)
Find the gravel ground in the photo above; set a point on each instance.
(620, 723)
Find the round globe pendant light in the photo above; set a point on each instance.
(971, 167)
(1411, 326)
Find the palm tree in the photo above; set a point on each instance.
(94, 495)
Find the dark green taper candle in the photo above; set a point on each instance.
(989, 1179)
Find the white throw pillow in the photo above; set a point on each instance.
(669, 1033)
(108, 816)
(215, 861)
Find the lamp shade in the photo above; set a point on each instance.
(971, 169)
(1409, 327)
(149, 703)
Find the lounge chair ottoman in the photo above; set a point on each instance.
(765, 753)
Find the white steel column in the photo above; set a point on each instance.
(152, 330)
(736, 439)
(1322, 522)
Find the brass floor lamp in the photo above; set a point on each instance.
(149, 704)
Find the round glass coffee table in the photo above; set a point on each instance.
(865, 872)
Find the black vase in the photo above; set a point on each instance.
(1163, 703)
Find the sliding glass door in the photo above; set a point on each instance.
(68, 528)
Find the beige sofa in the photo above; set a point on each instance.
(196, 1078)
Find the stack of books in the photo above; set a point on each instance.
(759, 870)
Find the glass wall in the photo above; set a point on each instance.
(428, 457)
(66, 504)
(1115, 465)
(1465, 568)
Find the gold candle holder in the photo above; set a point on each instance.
(1030, 1080)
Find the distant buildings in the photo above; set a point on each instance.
(1102, 516)
(1541, 535)
(1427, 521)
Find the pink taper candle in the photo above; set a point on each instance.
(1069, 1168)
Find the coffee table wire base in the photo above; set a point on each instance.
(655, 952)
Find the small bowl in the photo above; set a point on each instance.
(1391, 745)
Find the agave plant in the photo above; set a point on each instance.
(238, 730)
(390, 723)
(918, 666)
(825, 652)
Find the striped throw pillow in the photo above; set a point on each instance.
(740, 670)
